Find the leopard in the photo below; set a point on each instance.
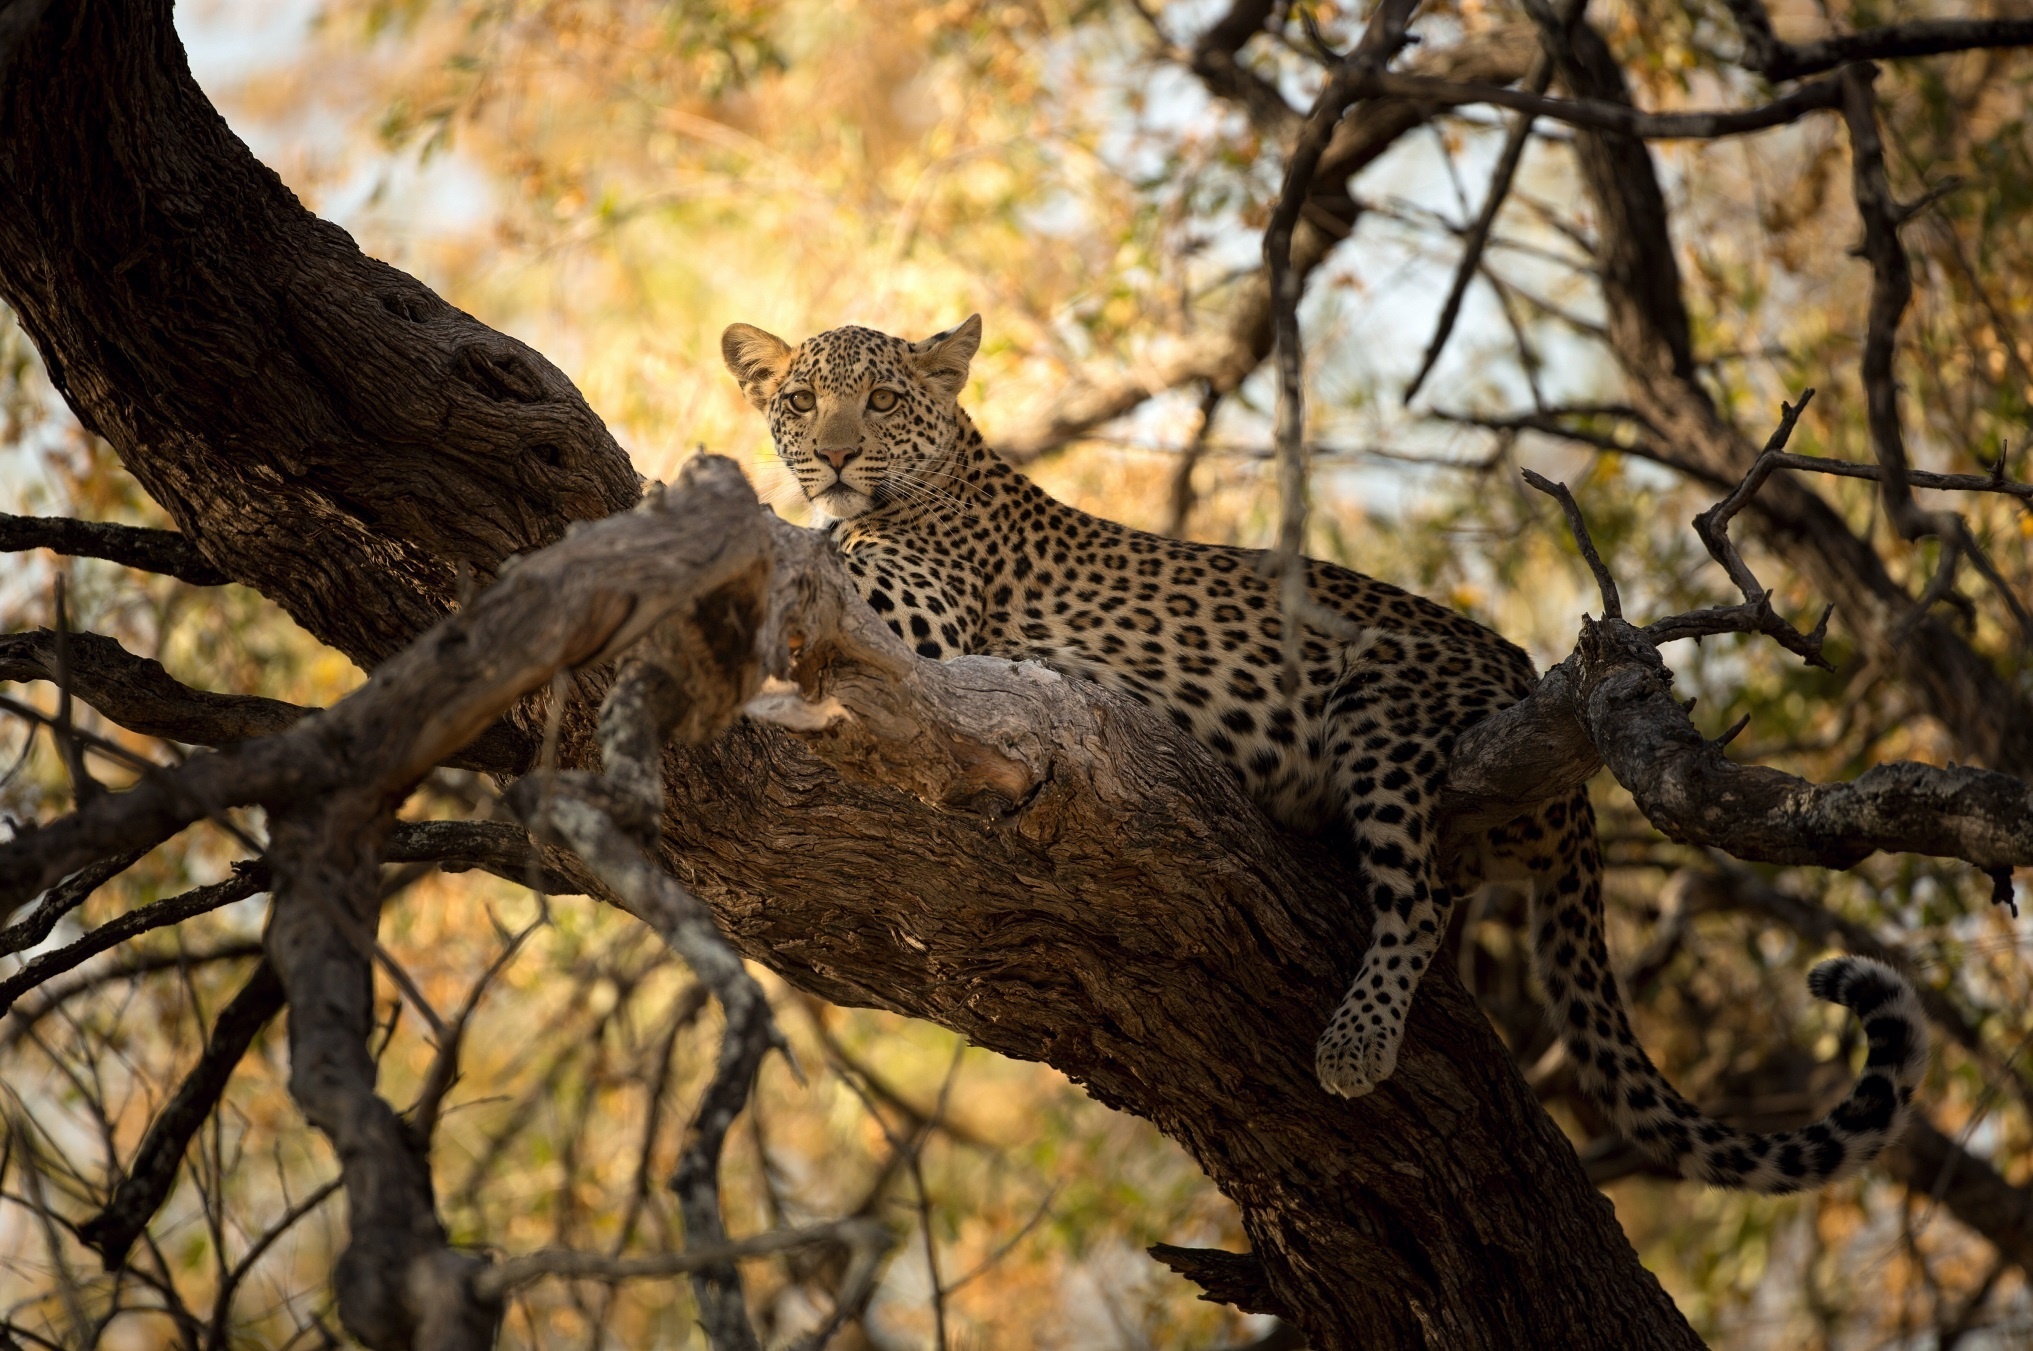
(961, 554)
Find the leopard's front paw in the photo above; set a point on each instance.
(1357, 1052)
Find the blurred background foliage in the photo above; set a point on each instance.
(614, 181)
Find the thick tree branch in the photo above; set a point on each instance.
(282, 384)
(163, 551)
(1776, 60)
(1689, 790)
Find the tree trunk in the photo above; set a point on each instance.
(328, 431)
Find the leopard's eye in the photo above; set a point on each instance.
(803, 400)
(882, 400)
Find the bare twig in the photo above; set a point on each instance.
(60, 900)
(1756, 614)
(149, 1178)
(438, 1080)
(1612, 604)
(83, 786)
(1182, 497)
(1600, 115)
(249, 879)
(1515, 140)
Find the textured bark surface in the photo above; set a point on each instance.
(1069, 882)
(321, 426)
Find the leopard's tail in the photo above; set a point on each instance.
(1614, 1070)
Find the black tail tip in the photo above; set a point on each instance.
(1826, 980)
(1859, 982)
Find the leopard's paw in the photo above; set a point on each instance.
(1358, 1051)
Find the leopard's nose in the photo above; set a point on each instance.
(838, 456)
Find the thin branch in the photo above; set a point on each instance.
(20, 1021)
(1993, 482)
(1515, 140)
(1381, 41)
(138, 694)
(83, 786)
(444, 1070)
(60, 900)
(152, 1174)
(515, 1272)
(222, 1304)
(1756, 614)
(1599, 115)
(249, 879)
(163, 551)
(1612, 603)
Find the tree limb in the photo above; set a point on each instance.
(163, 551)
(138, 694)
(1776, 60)
(1612, 115)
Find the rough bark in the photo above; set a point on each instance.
(304, 413)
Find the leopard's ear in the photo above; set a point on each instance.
(758, 360)
(943, 358)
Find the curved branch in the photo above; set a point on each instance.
(163, 551)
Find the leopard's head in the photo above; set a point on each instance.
(859, 417)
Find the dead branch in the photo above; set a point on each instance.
(691, 681)
(1652, 343)
(1605, 584)
(249, 880)
(60, 900)
(1621, 695)
(163, 551)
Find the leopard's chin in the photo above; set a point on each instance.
(842, 503)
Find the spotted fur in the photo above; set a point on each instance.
(960, 553)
